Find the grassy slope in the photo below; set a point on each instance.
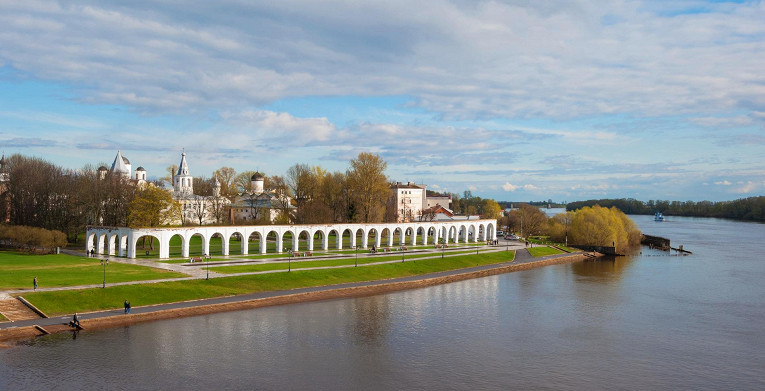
(18, 270)
(543, 251)
(66, 302)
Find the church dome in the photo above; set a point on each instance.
(125, 160)
(103, 168)
(140, 169)
(257, 176)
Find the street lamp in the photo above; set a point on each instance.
(289, 262)
(104, 262)
(356, 262)
(403, 253)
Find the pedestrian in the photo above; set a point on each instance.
(75, 321)
(129, 307)
(126, 306)
(34, 282)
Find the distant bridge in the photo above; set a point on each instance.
(122, 241)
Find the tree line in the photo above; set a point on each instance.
(752, 208)
(41, 194)
(587, 226)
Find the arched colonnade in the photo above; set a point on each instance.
(122, 241)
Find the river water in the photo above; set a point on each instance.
(648, 321)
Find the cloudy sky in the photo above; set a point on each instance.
(513, 100)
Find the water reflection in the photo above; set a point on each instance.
(371, 320)
(640, 322)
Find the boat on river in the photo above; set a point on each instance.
(658, 217)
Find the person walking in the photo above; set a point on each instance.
(34, 282)
(75, 321)
(126, 306)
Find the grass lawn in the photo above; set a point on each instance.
(302, 263)
(253, 246)
(542, 251)
(60, 270)
(2, 318)
(67, 302)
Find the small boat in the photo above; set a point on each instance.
(658, 217)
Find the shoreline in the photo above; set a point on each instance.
(16, 334)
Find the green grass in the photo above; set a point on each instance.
(235, 246)
(67, 302)
(543, 251)
(61, 270)
(3, 318)
(302, 263)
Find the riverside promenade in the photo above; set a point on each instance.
(110, 318)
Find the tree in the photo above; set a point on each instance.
(490, 209)
(226, 177)
(152, 207)
(368, 186)
(598, 226)
(242, 183)
(528, 220)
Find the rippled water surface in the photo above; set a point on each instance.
(648, 321)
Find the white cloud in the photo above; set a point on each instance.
(723, 183)
(482, 59)
(510, 187)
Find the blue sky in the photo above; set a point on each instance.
(566, 100)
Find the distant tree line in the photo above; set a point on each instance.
(752, 208)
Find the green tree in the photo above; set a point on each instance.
(152, 207)
(368, 186)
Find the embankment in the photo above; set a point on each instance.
(372, 288)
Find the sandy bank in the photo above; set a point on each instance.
(19, 333)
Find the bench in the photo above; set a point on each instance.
(307, 254)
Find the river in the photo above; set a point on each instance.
(648, 321)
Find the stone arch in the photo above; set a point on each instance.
(303, 235)
(338, 238)
(236, 243)
(256, 244)
(217, 243)
(148, 242)
(177, 246)
(198, 243)
(399, 232)
(387, 235)
(422, 235)
(273, 236)
(472, 233)
(347, 232)
(289, 241)
(321, 236)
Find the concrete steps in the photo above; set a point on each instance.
(14, 310)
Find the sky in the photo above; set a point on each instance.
(512, 100)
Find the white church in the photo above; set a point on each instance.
(256, 205)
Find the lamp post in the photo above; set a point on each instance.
(403, 253)
(356, 262)
(104, 262)
(289, 262)
(207, 261)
